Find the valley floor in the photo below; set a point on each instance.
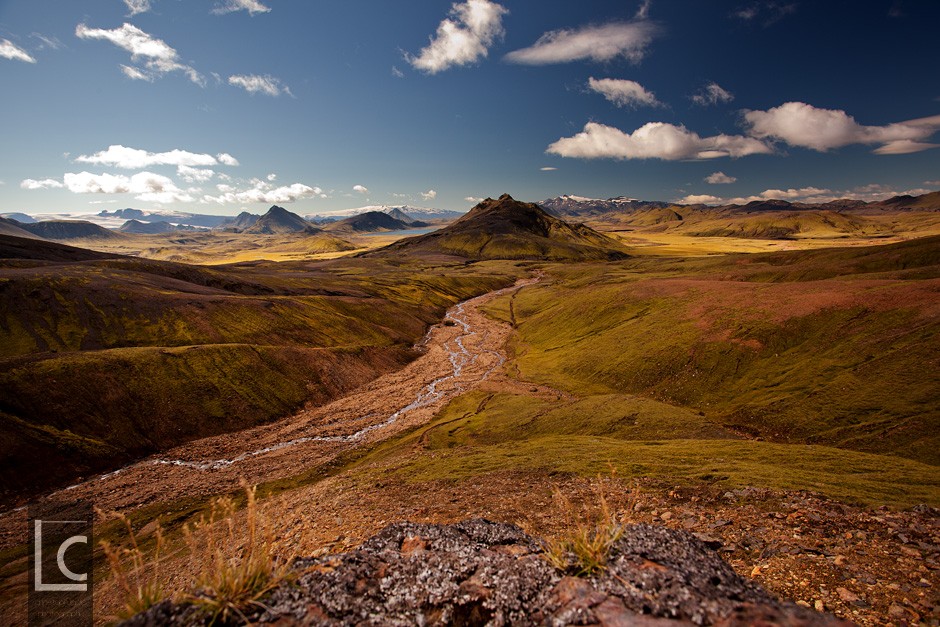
(695, 418)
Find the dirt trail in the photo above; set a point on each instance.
(458, 355)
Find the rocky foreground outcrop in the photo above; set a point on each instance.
(482, 573)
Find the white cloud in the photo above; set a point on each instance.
(88, 183)
(362, 189)
(137, 6)
(643, 12)
(800, 124)
(463, 38)
(230, 6)
(935, 183)
(158, 57)
(397, 73)
(262, 192)
(48, 41)
(719, 178)
(134, 158)
(765, 11)
(623, 93)
(151, 187)
(429, 195)
(42, 184)
(271, 177)
(194, 175)
(548, 168)
(9, 50)
(147, 186)
(598, 43)
(135, 74)
(700, 199)
(655, 140)
(473, 199)
(256, 84)
(712, 94)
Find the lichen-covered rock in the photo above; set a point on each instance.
(482, 573)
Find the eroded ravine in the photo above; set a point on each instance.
(458, 354)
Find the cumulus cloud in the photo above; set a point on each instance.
(463, 38)
(655, 140)
(719, 178)
(868, 193)
(473, 199)
(41, 184)
(255, 84)
(147, 186)
(158, 58)
(712, 94)
(194, 175)
(231, 6)
(262, 191)
(134, 158)
(607, 42)
(801, 124)
(623, 93)
(700, 199)
(362, 189)
(429, 195)
(9, 50)
(137, 6)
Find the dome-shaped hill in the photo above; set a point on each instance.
(508, 229)
(70, 229)
(368, 222)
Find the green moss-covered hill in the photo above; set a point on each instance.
(105, 358)
(508, 229)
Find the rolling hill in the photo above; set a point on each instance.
(15, 228)
(508, 229)
(146, 228)
(105, 358)
(69, 229)
(369, 222)
(279, 220)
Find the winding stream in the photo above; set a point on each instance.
(460, 359)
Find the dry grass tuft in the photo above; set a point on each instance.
(136, 572)
(237, 560)
(592, 530)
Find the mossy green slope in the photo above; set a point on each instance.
(104, 360)
(508, 229)
(745, 370)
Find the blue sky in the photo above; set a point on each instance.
(215, 106)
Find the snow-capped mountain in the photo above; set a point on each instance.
(416, 213)
(572, 206)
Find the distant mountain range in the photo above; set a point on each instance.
(508, 229)
(396, 211)
(581, 207)
(173, 217)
